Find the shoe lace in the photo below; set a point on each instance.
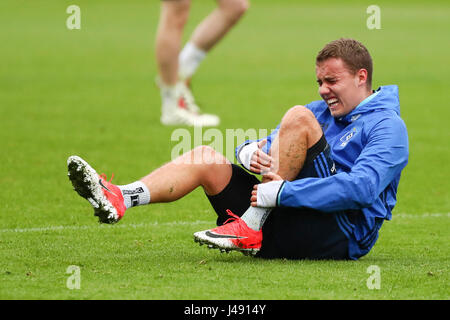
(103, 176)
(239, 227)
(233, 217)
(108, 188)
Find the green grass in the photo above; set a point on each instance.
(90, 92)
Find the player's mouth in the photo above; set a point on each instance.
(332, 102)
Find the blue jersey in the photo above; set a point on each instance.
(369, 147)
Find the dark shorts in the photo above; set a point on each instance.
(289, 233)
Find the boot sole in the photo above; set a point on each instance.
(211, 245)
(85, 182)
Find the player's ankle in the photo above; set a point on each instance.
(135, 194)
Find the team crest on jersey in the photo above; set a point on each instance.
(346, 138)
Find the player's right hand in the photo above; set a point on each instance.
(260, 162)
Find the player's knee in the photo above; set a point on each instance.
(234, 9)
(298, 117)
(241, 7)
(206, 155)
(179, 6)
(177, 13)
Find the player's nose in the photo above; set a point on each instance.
(324, 90)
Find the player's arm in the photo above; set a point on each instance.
(382, 159)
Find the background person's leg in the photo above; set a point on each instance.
(206, 35)
(217, 24)
(173, 17)
(178, 105)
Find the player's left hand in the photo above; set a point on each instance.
(268, 177)
(254, 197)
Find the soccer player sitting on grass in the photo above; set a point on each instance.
(330, 172)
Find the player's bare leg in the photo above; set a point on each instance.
(299, 131)
(202, 166)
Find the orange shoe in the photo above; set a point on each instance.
(105, 197)
(233, 235)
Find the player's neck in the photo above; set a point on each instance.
(364, 95)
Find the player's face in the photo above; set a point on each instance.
(341, 90)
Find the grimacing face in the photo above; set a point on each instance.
(339, 87)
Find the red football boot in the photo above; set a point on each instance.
(233, 235)
(105, 197)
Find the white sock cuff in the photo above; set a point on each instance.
(189, 59)
(168, 92)
(170, 95)
(255, 217)
(135, 194)
(267, 193)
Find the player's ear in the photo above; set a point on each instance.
(362, 75)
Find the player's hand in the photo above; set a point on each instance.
(260, 162)
(270, 177)
(254, 197)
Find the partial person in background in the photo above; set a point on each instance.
(176, 67)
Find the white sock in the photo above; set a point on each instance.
(169, 95)
(189, 59)
(135, 194)
(255, 217)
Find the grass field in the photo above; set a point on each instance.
(91, 92)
